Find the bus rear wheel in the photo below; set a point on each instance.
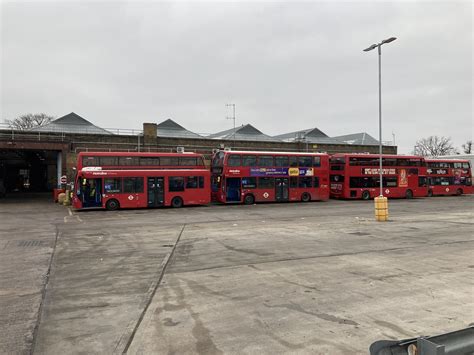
(249, 200)
(365, 195)
(112, 205)
(177, 202)
(430, 193)
(459, 192)
(305, 197)
(409, 194)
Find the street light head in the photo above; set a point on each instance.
(370, 48)
(388, 40)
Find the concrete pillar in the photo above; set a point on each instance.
(150, 132)
(59, 168)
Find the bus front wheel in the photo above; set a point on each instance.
(459, 192)
(305, 197)
(365, 195)
(409, 194)
(112, 205)
(249, 200)
(177, 202)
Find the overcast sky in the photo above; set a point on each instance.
(286, 65)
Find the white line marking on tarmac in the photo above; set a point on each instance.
(69, 210)
(65, 219)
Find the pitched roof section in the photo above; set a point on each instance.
(244, 133)
(171, 129)
(358, 139)
(310, 135)
(71, 123)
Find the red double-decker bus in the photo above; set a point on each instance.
(140, 160)
(114, 189)
(449, 177)
(250, 176)
(356, 176)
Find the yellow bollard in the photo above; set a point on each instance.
(67, 198)
(381, 209)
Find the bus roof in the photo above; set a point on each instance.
(370, 155)
(446, 160)
(137, 154)
(268, 152)
(137, 173)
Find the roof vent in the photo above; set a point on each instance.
(180, 149)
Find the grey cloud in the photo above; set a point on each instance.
(287, 66)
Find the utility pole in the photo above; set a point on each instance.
(232, 118)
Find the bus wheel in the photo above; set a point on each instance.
(430, 193)
(365, 195)
(249, 200)
(305, 197)
(177, 202)
(112, 205)
(409, 194)
(459, 192)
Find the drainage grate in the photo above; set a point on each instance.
(30, 243)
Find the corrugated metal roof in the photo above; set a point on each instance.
(310, 135)
(244, 133)
(358, 139)
(171, 129)
(71, 123)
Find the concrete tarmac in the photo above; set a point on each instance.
(273, 278)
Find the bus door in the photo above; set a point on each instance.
(90, 193)
(232, 188)
(281, 189)
(156, 191)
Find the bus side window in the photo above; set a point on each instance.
(176, 183)
(191, 182)
(293, 161)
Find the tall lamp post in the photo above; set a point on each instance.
(232, 118)
(379, 48)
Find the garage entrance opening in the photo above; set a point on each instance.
(28, 170)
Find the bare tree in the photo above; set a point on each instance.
(434, 146)
(467, 148)
(29, 120)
